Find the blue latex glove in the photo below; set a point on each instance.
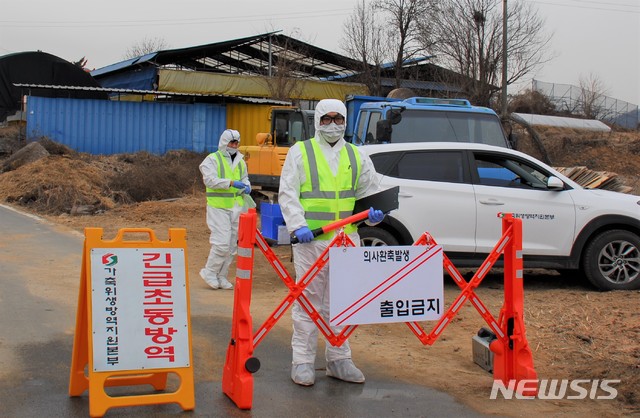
(304, 234)
(238, 184)
(375, 216)
(247, 189)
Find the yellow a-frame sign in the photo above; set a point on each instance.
(133, 320)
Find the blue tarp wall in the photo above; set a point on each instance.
(110, 127)
(142, 79)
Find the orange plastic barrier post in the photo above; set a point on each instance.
(513, 360)
(237, 381)
(127, 358)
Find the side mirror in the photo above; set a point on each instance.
(395, 116)
(513, 140)
(383, 131)
(554, 183)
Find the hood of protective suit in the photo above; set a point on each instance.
(227, 136)
(330, 133)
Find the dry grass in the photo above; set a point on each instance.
(151, 177)
(614, 152)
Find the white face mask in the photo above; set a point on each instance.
(331, 133)
(232, 151)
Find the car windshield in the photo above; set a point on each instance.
(443, 126)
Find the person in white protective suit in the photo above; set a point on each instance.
(225, 176)
(312, 172)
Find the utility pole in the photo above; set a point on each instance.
(504, 59)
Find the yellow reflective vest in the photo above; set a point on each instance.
(225, 198)
(326, 198)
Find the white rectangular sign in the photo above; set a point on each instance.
(139, 308)
(372, 285)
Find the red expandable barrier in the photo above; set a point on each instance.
(296, 289)
(513, 360)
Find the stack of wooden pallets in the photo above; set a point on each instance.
(591, 179)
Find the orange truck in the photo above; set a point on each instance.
(265, 160)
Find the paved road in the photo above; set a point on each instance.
(39, 283)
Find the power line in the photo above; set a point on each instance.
(605, 4)
(589, 7)
(170, 22)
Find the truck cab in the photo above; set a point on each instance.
(424, 119)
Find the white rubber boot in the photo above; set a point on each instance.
(345, 370)
(303, 374)
(210, 279)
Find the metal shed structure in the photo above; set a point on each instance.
(258, 55)
(258, 65)
(112, 127)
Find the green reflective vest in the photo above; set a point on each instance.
(225, 198)
(326, 198)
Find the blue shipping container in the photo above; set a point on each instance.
(111, 127)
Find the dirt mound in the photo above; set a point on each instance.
(56, 184)
(59, 180)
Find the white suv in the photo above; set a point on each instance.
(454, 191)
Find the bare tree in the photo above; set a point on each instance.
(403, 17)
(532, 101)
(145, 46)
(365, 40)
(592, 98)
(466, 37)
(283, 78)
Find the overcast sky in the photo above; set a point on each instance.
(590, 37)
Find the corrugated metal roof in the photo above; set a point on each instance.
(123, 64)
(107, 90)
(253, 55)
(257, 100)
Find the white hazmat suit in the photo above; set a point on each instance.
(305, 332)
(223, 222)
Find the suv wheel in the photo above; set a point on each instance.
(612, 260)
(375, 237)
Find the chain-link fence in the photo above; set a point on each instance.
(577, 101)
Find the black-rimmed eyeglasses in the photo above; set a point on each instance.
(337, 119)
